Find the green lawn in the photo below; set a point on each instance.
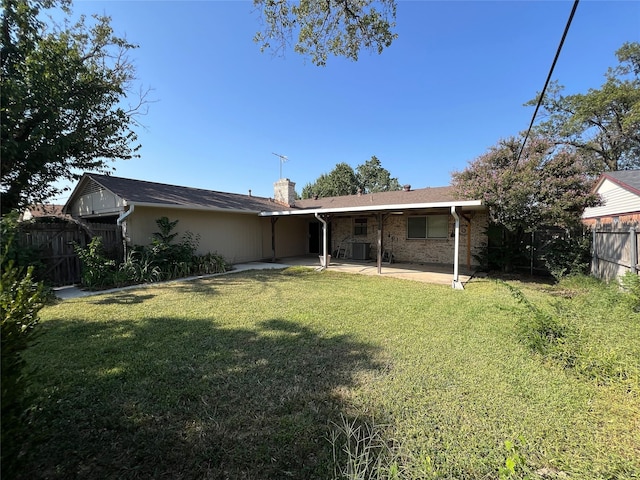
(299, 374)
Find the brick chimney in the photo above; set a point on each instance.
(285, 192)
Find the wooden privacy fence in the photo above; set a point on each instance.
(616, 250)
(55, 243)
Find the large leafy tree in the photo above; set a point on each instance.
(372, 177)
(63, 95)
(340, 181)
(603, 124)
(336, 27)
(548, 186)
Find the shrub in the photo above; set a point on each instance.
(20, 300)
(209, 263)
(162, 260)
(568, 256)
(97, 269)
(138, 267)
(23, 256)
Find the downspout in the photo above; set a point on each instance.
(124, 215)
(456, 250)
(325, 254)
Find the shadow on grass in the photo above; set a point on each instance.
(178, 398)
(123, 298)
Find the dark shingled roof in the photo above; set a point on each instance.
(396, 197)
(629, 179)
(139, 191)
(143, 192)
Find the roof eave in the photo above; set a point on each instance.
(377, 208)
(193, 207)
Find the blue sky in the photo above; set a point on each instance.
(451, 86)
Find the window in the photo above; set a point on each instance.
(430, 226)
(360, 226)
(416, 227)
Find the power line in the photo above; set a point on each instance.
(544, 89)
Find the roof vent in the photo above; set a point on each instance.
(406, 188)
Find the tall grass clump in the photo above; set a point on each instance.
(590, 328)
(630, 283)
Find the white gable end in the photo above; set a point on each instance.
(615, 201)
(95, 200)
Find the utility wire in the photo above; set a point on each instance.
(544, 89)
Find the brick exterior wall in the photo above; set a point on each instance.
(430, 250)
(622, 219)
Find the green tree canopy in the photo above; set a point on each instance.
(369, 177)
(340, 181)
(372, 177)
(336, 27)
(63, 97)
(603, 124)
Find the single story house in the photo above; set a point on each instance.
(615, 224)
(428, 225)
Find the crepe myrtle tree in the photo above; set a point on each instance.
(328, 27)
(548, 186)
(68, 100)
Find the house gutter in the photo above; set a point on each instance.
(377, 208)
(124, 215)
(195, 207)
(456, 283)
(325, 254)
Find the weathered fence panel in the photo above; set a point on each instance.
(616, 250)
(55, 243)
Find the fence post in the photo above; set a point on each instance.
(633, 245)
(594, 251)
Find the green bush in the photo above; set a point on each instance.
(97, 269)
(569, 256)
(22, 256)
(164, 259)
(20, 300)
(138, 267)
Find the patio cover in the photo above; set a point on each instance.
(324, 213)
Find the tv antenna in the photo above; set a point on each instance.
(283, 158)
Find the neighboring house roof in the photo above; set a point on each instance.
(619, 192)
(44, 211)
(141, 192)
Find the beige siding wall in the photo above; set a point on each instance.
(290, 234)
(237, 237)
(412, 250)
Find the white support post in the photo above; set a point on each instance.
(456, 283)
(633, 245)
(325, 251)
